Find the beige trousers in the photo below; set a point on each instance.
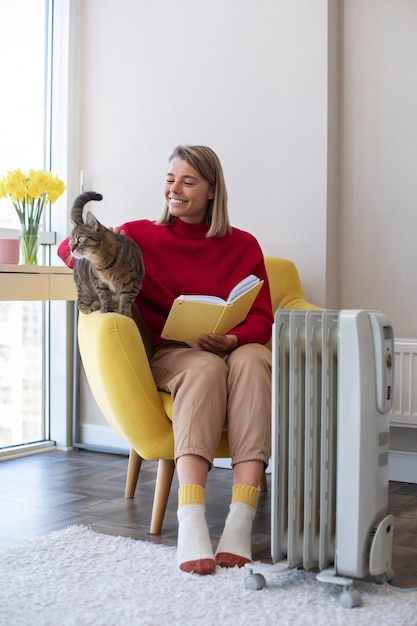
(207, 390)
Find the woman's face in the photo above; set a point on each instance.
(187, 193)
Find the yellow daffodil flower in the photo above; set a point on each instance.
(29, 193)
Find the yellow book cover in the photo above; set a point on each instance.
(192, 316)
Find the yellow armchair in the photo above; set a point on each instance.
(118, 372)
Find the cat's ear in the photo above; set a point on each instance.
(91, 221)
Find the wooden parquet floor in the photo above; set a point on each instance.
(46, 492)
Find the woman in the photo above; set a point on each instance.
(193, 249)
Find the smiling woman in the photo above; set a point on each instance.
(187, 192)
(195, 177)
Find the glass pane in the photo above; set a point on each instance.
(21, 410)
(23, 50)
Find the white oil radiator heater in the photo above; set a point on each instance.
(332, 392)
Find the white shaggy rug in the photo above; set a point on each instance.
(81, 578)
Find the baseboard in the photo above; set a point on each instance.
(101, 437)
(402, 466)
(227, 464)
(222, 463)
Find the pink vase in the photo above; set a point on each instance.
(9, 246)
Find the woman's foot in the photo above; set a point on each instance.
(195, 552)
(235, 546)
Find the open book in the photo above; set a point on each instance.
(192, 316)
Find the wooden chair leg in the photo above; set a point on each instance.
(163, 483)
(133, 468)
(263, 485)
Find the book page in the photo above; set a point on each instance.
(244, 285)
(207, 299)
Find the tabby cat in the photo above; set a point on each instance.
(109, 268)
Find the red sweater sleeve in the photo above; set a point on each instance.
(65, 253)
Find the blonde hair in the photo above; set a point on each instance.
(208, 165)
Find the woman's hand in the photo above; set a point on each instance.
(116, 230)
(219, 344)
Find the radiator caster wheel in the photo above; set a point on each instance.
(386, 577)
(350, 598)
(255, 582)
(389, 575)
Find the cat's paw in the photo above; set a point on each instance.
(88, 308)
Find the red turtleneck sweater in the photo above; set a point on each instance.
(180, 260)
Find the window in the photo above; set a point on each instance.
(23, 332)
(23, 48)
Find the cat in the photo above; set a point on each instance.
(109, 268)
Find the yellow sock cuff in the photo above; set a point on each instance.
(191, 494)
(245, 494)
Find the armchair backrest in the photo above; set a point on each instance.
(285, 285)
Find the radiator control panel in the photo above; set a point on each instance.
(383, 337)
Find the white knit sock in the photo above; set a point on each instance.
(235, 546)
(195, 553)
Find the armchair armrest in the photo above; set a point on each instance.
(120, 378)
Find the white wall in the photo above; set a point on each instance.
(378, 182)
(378, 192)
(310, 104)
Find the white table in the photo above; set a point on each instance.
(36, 282)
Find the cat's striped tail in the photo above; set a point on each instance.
(79, 204)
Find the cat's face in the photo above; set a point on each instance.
(86, 238)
